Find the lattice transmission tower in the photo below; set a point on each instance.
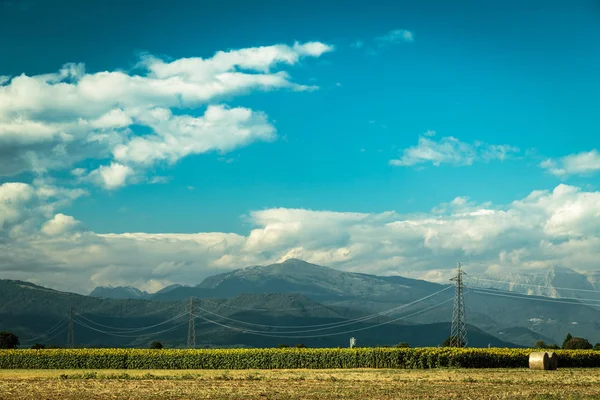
(71, 334)
(458, 333)
(191, 340)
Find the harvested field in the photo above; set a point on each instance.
(301, 384)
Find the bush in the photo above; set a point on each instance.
(448, 341)
(578, 343)
(8, 340)
(567, 338)
(38, 346)
(402, 345)
(540, 344)
(287, 358)
(597, 346)
(156, 345)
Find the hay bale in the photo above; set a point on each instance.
(553, 358)
(539, 360)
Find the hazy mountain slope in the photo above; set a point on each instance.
(299, 293)
(169, 288)
(119, 292)
(539, 314)
(296, 276)
(130, 292)
(552, 282)
(594, 279)
(352, 293)
(30, 311)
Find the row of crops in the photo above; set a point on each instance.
(284, 358)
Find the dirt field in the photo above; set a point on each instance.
(356, 384)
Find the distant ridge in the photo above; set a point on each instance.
(262, 295)
(119, 292)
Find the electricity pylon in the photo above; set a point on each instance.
(71, 334)
(191, 340)
(458, 333)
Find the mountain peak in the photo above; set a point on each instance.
(119, 292)
(293, 261)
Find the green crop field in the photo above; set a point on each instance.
(319, 358)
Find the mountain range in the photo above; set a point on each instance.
(259, 305)
(557, 282)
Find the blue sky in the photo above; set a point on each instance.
(523, 75)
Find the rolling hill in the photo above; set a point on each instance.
(38, 314)
(296, 293)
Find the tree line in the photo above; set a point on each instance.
(569, 343)
(8, 340)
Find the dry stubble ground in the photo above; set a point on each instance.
(301, 384)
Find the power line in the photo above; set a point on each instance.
(128, 336)
(48, 332)
(132, 330)
(532, 298)
(541, 272)
(55, 335)
(331, 325)
(153, 312)
(458, 332)
(257, 333)
(533, 285)
(279, 309)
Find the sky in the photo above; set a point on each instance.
(161, 144)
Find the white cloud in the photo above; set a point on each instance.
(52, 121)
(358, 44)
(113, 176)
(395, 36)
(60, 225)
(449, 150)
(13, 198)
(584, 163)
(23, 206)
(220, 128)
(546, 228)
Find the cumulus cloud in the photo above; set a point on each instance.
(220, 128)
(55, 120)
(13, 198)
(23, 206)
(60, 224)
(450, 150)
(584, 163)
(112, 176)
(546, 228)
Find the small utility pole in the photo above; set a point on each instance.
(191, 340)
(458, 333)
(71, 334)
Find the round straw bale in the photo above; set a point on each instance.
(539, 360)
(553, 360)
